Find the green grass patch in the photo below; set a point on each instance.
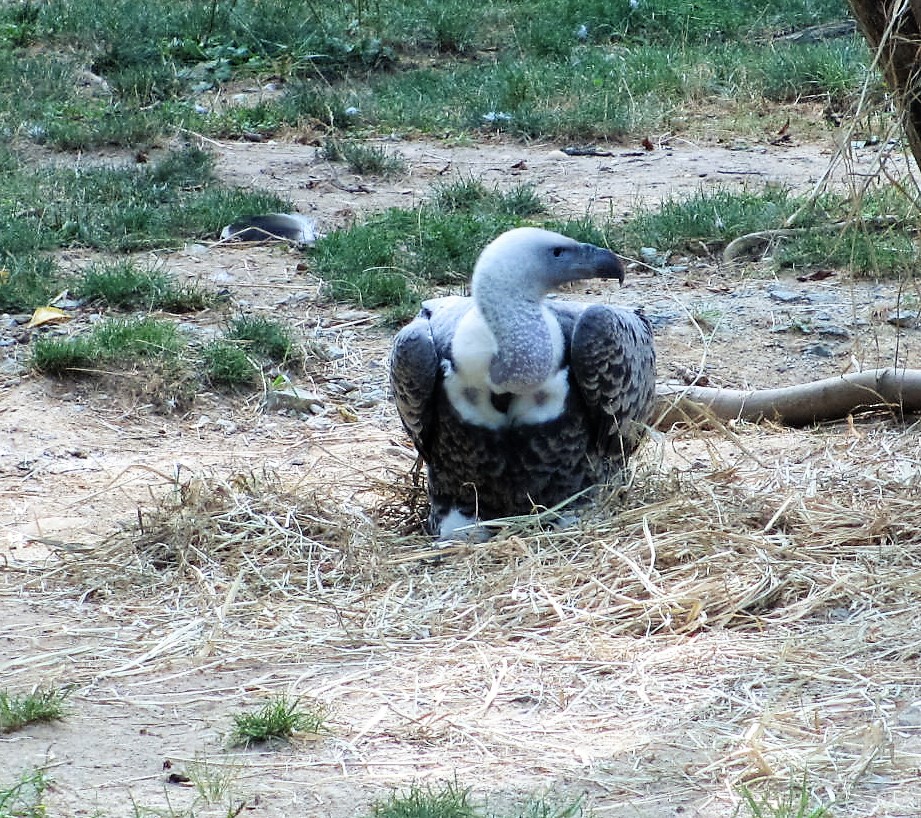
(38, 706)
(264, 337)
(443, 801)
(121, 208)
(28, 281)
(278, 719)
(450, 800)
(865, 252)
(226, 364)
(114, 342)
(586, 69)
(712, 218)
(23, 799)
(393, 256)
(125, 285)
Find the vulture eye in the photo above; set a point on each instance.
(557, 252)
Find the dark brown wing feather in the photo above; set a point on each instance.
(614, 366)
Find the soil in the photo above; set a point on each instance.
(77, 458)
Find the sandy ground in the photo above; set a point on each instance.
(76, 460)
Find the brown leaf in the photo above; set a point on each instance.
(647, 144)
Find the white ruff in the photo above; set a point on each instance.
(468, 385)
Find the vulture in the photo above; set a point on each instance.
(515, 401)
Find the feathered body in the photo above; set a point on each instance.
(514, 401)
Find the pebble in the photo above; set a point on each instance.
(786, 296)
(834, 331)
(294, 399)
(903, 318)
(650, 255)
(819, 350)
(910, 716)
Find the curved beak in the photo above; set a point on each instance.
(603, 263)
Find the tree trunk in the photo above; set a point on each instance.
(893, 29)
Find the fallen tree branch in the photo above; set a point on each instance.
(897, 390)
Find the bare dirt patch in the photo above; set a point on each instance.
(750, 615)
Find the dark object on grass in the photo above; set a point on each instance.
(292, 227)
(516, 402)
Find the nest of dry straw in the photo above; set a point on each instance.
(722, 541)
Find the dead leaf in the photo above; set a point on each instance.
(647, 144)
(4, 275)
(48, 315)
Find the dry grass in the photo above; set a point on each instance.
(735, 619)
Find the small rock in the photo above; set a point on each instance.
(21, 318)
(819, 350)
(294, 399)
(785, 296)
(834, 331)
(910, 716)
(903, 318)
(319, 424)
(228, 427)
(649, 255)
(351, 316)
(341, 387)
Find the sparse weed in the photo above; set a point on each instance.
(279, 718)
(706, 316)
(378, 263)
(795, 802)
(213, 780)
(23, 799)
(39, 705)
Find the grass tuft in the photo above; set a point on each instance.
(444, 801)
(38, 706)
(371, 160)
(27, 282)
(114, 341)
(125, 285)
(227, 364)
(278, 719)
(264, 337)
